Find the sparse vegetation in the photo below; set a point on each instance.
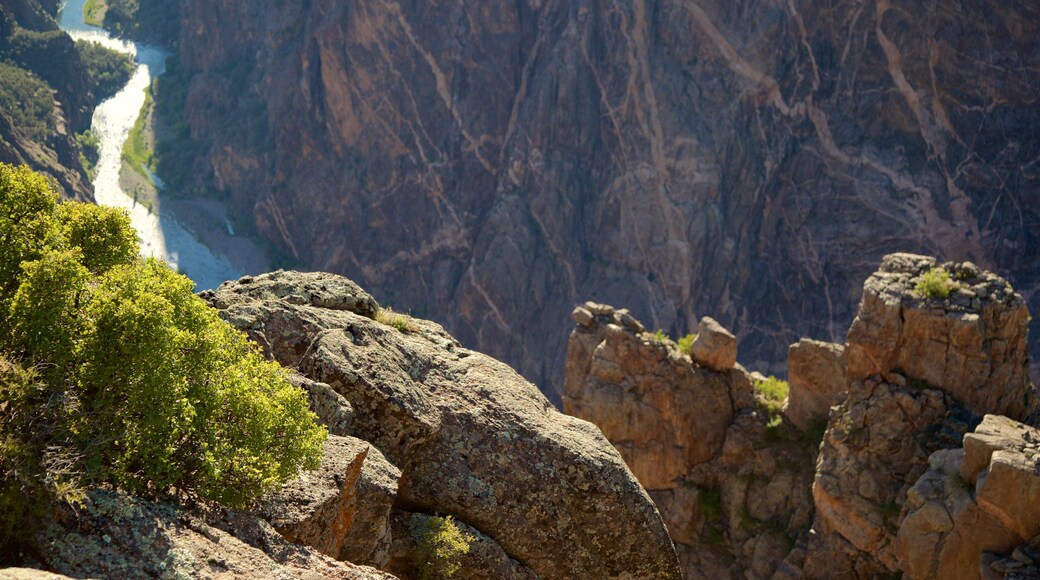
(401, 322)
(772, 393)
(94, 12)
(935, 283)
(686, 342)
(440, 545)
(137, 151)
(112, 372)
(710, 502)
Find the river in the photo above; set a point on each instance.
(161, 235)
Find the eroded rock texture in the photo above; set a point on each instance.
(471, 438)
(905, 481)
(493, 163)
(733, 491)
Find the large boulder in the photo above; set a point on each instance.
(471, 437)
(971, 343)
(816, 374)
(715, 347)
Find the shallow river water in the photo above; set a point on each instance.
(161, 235)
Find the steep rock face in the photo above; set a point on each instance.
(752, 159)
(471, 438)
(816, 373)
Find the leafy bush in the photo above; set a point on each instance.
(131, 379)
(439, 546)
(935, 283)
(107, 70)
(94, 12)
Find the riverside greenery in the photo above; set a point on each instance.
(113, 373)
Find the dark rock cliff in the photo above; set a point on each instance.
(750, 161)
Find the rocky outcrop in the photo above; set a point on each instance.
(971, 343)
(117, 536)
(733, 492)
(749, 160)
(816, 374)
(715, 347)
(905, 481)
(471, 438)
(976, 508)
(876, 446)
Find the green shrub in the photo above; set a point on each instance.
(935, 283)
(439, 546)
(772, 393)
(136, 382)
(89, 151)
(661, 336)
(686, 342)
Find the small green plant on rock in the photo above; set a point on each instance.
(686, 343)
(935, 283)
(440, 545)
(772, 393)
(401, 322)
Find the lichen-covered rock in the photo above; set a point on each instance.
(816, 375)
(333, 410)
(973, 502)
(715, 347)
(331, 510)
(971, 344)
(117, 536)
(29, 574)
(472, 438)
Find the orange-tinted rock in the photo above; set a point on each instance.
(816, 375)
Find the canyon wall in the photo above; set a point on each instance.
(492, 164)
